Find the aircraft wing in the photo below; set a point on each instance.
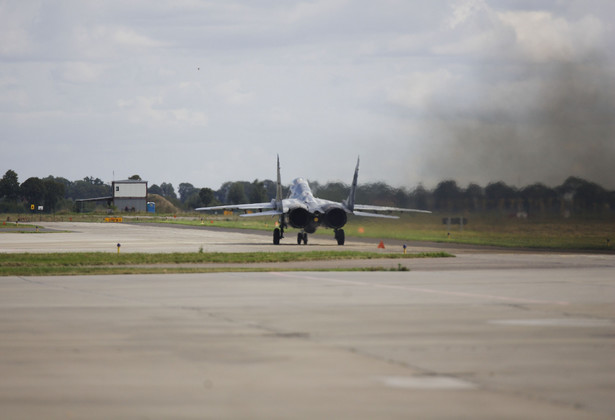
(382, 216)
(262, 213)
(363, 207)
(251, 206)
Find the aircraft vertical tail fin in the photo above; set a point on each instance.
(278, 189)
(349, 202)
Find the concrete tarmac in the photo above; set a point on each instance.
(480, 336)
(104, 237)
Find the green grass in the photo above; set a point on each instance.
(482, 229)
(25, 264)
(553, 232)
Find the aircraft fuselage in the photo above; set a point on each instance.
(307, 212)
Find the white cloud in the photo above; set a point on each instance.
(17, 20)
(152, 112)
(110, 41)
(419, 90)
(543, 37)
(464, 10)
(79, 72)
(233, 93)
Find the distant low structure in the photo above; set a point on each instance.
(128, 196)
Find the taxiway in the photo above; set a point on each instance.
(480, 336)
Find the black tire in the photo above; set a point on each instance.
(305, 239)
(340, 236)
(276, 236)
(299, 238)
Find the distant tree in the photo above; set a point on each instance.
(89, 187)
(207, 197)
(420, 198)
(93, 181)
(9, 185)
(585, 195)
(473, 197)
(135, 178)
(167, 190)
(447, 196)
(401, 197)
(500, 196)
(236, 194)
(377, 193)
(54, 191)
(222, 193)
(193, 201)
(65, 182)
(270, 187)
(33, 191)
(154, 189)
(591, 196)
(336, 191)
(186, 190)
(571, 185)
(258, 194)
(538, 198)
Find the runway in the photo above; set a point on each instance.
(479, 336)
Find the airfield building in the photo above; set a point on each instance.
(128, 196)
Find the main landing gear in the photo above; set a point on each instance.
(340, 236)
(278, 233)
(302, 237)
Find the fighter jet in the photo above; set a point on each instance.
(301, 210)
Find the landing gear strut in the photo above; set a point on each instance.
(278, 233)
(340, 237)
(302, 236)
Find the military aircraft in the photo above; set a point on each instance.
(301, 210)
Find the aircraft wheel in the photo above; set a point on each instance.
(340, 236)
(302, 237)
(276, 236)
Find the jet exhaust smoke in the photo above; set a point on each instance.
(562, 125)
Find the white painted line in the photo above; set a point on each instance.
(555, 322)
(426, 382)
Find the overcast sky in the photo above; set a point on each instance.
(210, 91)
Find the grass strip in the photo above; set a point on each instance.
(26, 264)
(482, 229)
(75, 271)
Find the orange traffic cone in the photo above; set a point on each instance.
(381, 245)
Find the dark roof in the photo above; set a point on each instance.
(95, 199)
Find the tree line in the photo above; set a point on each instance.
(574, 195)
